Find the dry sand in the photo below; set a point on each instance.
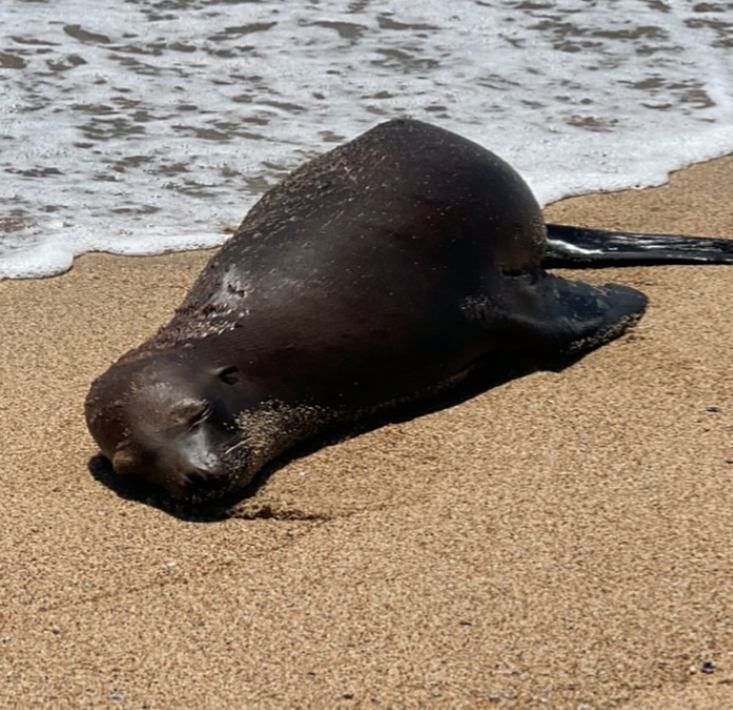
(563, 541)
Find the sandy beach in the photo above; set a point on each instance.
(562, 541)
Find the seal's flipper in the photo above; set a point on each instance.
(589, 316)
(571, 317)
(576, 247)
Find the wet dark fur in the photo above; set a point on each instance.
(380, 273)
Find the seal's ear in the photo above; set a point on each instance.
(228, 375)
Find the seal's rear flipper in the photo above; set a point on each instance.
(576, 247)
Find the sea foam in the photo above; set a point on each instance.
(140, 127)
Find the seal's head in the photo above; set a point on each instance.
(170, 424)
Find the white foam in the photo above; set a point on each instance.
(145, 127)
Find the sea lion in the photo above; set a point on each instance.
(377, 273)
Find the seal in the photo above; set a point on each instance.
(378, 273)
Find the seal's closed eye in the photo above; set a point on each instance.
(190, 413)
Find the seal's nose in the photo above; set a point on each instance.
(124, 463)
(181, 478)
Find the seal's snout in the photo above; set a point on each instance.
(124, 463)
(182, 474)
(180, 477)
(195, 484)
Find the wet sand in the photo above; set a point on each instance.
(561, 541)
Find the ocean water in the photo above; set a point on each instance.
(141, 126)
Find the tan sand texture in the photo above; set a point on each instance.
(562, 541)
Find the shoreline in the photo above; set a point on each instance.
(561, 540)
